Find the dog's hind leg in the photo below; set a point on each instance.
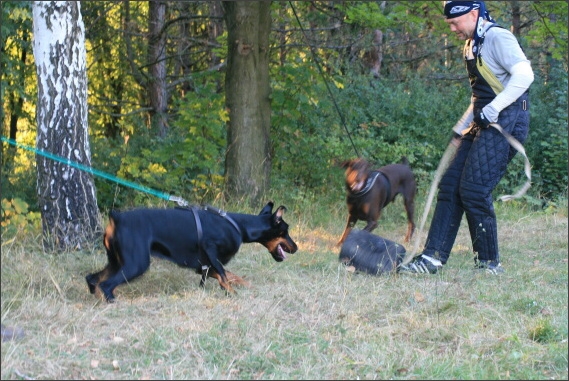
(108, 286)
(127, 272)
(410, 209)
(94, 279)
(113, 264)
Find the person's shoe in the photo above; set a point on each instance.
(423, 264)
(491, 267)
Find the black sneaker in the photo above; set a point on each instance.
(491, 267)
(423, 264)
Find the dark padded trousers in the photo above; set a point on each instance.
(466, 187)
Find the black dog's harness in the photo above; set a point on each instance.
(223, 214)
(369, 184)
(219, 212)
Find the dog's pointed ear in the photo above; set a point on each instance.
(278, 216)
(346, 163)
(268, 209)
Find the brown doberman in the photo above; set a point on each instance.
(369, 191)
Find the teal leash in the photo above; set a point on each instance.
(96, 172)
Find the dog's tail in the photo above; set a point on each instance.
(109, 235)
(404, 160)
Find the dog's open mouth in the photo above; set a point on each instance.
(281, 249)
(281, 253)
(356, 187)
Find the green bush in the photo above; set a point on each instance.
(17, 217)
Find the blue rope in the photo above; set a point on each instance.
(142, 188)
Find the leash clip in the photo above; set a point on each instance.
(220, 212)
(178, 200)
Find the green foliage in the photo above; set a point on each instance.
(551, 30)
(17, 80)
(546, 145)
(188, 162)
(543, 331)
(384, 120)
(16, 217)
(18, 175)
(368, 14)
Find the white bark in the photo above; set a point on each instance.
(66, 194)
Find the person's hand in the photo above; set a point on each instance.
(481, 120)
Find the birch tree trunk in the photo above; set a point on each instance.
(248, 160)
(66, 195)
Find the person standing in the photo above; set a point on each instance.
(500, 76)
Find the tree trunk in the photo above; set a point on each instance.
(516, 18)
(66, 195)
(157, 60)
(374, 56)
(248, 160)
(215, 29)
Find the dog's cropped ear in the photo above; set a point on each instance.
(347, 163)
(278, 216)
(268, 209)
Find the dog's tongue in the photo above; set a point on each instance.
(281, 252)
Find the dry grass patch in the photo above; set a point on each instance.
(305, 318)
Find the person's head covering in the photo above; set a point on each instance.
(458, 8)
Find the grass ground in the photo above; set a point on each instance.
(305, 318)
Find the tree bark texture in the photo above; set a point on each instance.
(157, 59)
(66, 195)
(248, 160)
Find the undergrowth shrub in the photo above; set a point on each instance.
(188, 162)
(17, 217)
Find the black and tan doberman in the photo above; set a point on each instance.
(203, 239)
(369, 191)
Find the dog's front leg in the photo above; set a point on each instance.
(349, 226)
(371, 225)
(204, 271)
(236, 279)
(222, 279)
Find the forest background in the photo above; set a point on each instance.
(373, 79)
